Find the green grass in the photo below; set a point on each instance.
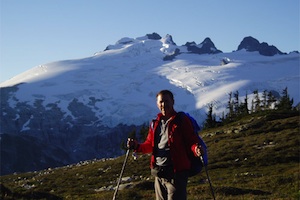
(256, 157)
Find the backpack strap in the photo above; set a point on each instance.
(179, 116)
(152, 123)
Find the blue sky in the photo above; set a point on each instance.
(35, 32)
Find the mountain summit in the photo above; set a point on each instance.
(251, 44)
(205, 47)
(71, 110)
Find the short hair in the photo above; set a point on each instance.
(165, 92)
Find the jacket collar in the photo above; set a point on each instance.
(159, 116)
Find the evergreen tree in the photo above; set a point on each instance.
(285, 103)
(236, 103)
(264, 102)
(230, 107)
(244, 106)
(257, 101)
(271, 100)
(252, 106)
(210, 121)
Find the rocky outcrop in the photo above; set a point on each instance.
(251, 44)
(205, 47)
(153, 36)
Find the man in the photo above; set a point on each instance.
(170, 139)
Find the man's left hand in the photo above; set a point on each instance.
(198, 150)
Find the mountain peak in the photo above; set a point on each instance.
(205, 47)
(153, 36)
(171, 50)
(251, 44)
(168, 40)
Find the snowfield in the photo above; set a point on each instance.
(125, 79)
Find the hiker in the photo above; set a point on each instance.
(170, 141)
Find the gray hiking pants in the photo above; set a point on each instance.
(171, 189)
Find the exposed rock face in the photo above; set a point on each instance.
(154, 36)
(205, 47)
(251, 44)
(34, 137)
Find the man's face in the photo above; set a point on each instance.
(165, 104)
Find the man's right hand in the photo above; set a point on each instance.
(132, 144)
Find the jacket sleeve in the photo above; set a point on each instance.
(147, 146)
(189, 135)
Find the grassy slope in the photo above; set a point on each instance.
(256, 157)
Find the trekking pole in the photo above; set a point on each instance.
(211, 188)
(121, 174)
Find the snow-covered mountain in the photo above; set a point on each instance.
(66, 111)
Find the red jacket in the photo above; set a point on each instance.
(182, 141)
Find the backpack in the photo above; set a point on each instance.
(196, 163)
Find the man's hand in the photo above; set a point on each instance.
(132, 144)
(199, 150)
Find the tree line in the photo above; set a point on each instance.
(237, 108)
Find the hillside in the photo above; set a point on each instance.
(256, 157)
